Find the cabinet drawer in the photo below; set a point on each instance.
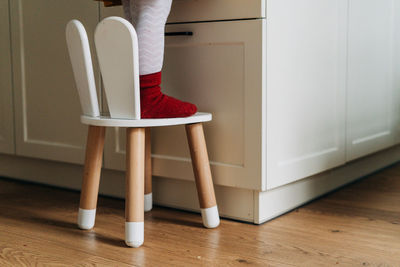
(205, 10)
(219, 69)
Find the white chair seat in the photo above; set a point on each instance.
(107, 121)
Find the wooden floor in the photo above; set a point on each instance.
(356, 226)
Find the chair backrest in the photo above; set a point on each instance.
(117, 51)
(79, 52)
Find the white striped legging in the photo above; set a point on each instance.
(149, 18)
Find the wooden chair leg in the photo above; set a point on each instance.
(148, 191)
(202, 174)
(91, 177)
(134, 199)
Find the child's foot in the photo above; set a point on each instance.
(154, 104)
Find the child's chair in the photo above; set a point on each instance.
(117, 51)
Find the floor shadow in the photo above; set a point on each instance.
(68, 228)
(52, 222)
(178, 221)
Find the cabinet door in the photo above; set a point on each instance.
(306, 67)
(219, 69)
(47, 107)
(372, 96)
(6, 104)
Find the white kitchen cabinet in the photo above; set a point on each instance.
(372, 82)
(274, 135)
(305, 79)
(6, 101)
(47, 108)
(218, 69)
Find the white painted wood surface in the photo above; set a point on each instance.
(117, 51)
(82, 66)
(206, 10)
(112, 122)
(47, 106)
(396, 76)
(306, 71)
(6, 100)
(273, 203)
(219, 69)
(372, 90)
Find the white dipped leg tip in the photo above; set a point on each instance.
(134, 234)
(148, 202)
(86, 218)
(210, 217)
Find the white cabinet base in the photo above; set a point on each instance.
(278, 201)
(235, 203)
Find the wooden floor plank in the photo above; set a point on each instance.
(358, 225)
(16, 249)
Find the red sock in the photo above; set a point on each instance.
(154, 104)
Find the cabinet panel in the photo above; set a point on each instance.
(397, 71)
(207, 10)
(6, 104)
(306, 68)
(47, 106)
(372, 93)
(218, 69)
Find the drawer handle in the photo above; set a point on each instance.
(178, 33)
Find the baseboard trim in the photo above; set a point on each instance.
(272, 203)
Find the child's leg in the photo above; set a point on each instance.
(149, 18)
(127, 9)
